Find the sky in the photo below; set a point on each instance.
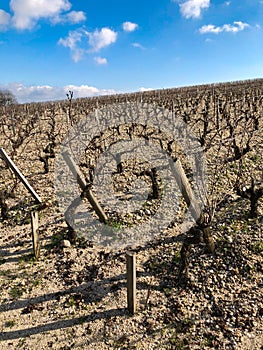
(97, 47)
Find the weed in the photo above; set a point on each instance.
(257, 248)
(168, 291)
(177, 257)
(8, 273)
(72, 302)
(55, 241)
(16, 292)
(10, 323)
(177, 344)
(208, 340)
(36, 282)
(115, 225)
(111, 228)
(28, 258)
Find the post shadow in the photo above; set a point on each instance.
(61, 324)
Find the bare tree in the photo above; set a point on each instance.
(7, 98)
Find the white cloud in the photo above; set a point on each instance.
(100, 60)
(33, 93)
(231, 28)
(76, 41)
(142, 89)
(28, 12)
(75, 16)
(38, 93)
(77, 54)
(4, 19)
(193, 8)
(87, 91)
(237, 27)
(210, 28)
(71, 41)
(139, 46)
(71, 17)
(101, 38)
(129, 26)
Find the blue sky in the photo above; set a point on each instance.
(93, 47)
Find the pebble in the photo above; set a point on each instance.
(229, 239)
(65, 243)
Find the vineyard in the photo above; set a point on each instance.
(198, 286)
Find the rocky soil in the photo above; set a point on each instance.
(74, 296)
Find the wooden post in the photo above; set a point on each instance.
(16, 171)
(83, 185)
(186, 189)
(35, 236)
(131, 281)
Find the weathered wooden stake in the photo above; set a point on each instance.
(131, 281)
(35, 236)
(16, 171)
(83, 185)
(186, 189)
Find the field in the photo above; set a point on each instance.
(198, 288)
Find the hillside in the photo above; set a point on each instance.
(74, 295)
